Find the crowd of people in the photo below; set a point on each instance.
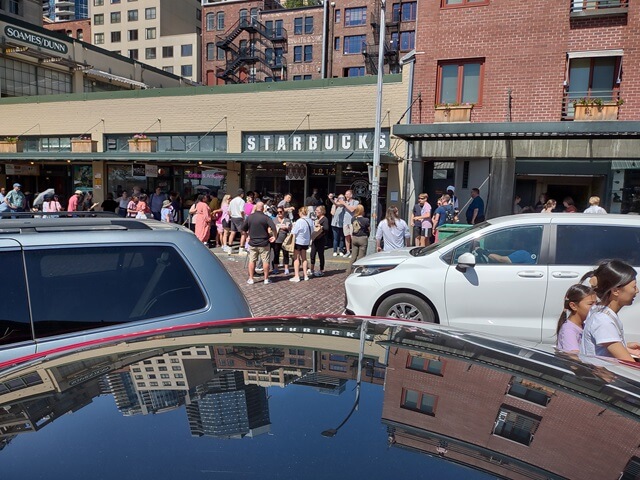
(550, 205)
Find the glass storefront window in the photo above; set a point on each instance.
(196, 142)
(83, 178)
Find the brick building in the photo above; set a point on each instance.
(509, 73)
(78, 29)
(247, 41)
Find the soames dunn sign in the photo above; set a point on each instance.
(35, 39)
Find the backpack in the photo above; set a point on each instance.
(450, 215)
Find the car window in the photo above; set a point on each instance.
(15, 325)
(596, 243)
(520, 244)
(74, 289)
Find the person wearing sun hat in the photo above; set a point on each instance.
(74, 200)
(166, 214)
(451, 191)
(15, 199)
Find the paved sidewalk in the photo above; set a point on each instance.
(319, 295)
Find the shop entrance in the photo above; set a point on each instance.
(559, 187)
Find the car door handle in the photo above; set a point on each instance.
(531, 274)
(564, 274)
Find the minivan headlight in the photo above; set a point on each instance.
(368, 270)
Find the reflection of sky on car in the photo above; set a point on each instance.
(359, 450)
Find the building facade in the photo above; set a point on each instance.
(65, 10)
(248, 41)
(27, 10)
(503, 92)
(161, 33)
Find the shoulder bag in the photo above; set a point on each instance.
(289, 243)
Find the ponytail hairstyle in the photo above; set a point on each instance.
(575, 294)
(608, 276)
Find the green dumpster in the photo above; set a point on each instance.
(449, 229)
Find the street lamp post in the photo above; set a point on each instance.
(375, 177)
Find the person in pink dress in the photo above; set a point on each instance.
(203, 220)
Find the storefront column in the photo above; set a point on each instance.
(501, 187)
(78, 81)
(233, 178)
(99, 181)
(414, 174)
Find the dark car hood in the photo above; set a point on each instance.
(330, 397)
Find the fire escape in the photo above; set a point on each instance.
(249, 54)
(391, 43)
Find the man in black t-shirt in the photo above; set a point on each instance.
(261, 231)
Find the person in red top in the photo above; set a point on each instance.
(73, 201)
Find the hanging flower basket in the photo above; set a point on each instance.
(140, 143)
(447, 113)
(11, 145)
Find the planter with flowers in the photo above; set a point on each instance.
(596, 109)
(84, 144)
(141, 143)
(11, 145)
(453, 112)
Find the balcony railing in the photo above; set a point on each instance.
(598, 7)
(570, 97)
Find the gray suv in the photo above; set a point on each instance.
(69, 280)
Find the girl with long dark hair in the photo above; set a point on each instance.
(577, 303)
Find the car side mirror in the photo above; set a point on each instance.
(466, 260)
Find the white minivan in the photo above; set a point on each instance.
(461, 281)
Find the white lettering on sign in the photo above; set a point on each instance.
(35, 39)
(362, 141)
(346, 142)
(282, 143)
(313, 143)
(328, 142)
(297, 143)
(266, 143)
(251, 143)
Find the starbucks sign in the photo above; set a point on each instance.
(35, 39)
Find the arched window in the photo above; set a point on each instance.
(79, 34)
(243, 15)
(220, 25)
(211, 21)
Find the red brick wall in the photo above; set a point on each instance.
(72, 26)
(524, 45)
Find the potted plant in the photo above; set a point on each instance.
(453, 112)
(10, 145)
(84, 144)
(596, 109)
(141, 143)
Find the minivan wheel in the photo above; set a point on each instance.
(405, 305)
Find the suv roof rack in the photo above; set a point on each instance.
(31, 223)
(83, 214)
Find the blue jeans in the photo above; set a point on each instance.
(338, 239)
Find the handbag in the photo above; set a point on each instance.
(317, 231)
(289, 243)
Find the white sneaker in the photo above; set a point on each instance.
(335, 254)
(309, 273)
(348, 255)
(286, 272)
(250, 281)
(267, 281)
(341, 254)
(306, 278)
(294, 279)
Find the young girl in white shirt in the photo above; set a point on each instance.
(615, 284)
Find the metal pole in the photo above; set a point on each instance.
(375, 178)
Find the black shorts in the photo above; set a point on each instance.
(300, 247)
(225, 224)
(427, 232)
(236, 224)
(417, 231)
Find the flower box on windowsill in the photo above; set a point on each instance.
(10, 147)
(142, 145)
(83, 145)
(604, 112)
(452, 113)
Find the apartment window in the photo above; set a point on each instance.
(353, 44)
(516, 425)
(530, 391)
(186, 70)
(336, 16)
(211, 51)
(221, 53)
(337, 368)
(116, 37)
(297, 54)
(168, 69)
(405, 12)
(132, 35)
(116, 17)
(297, 26)
(132, 15)
(79, 34)
(98, 19)
(463, 3)
(407, 40)
(425, 363)
(186, 50)
(336, 44)
(165, 375)
(220, 22)
(133, 53)
(460, 82)
(355, 16)
(167, 52)
(115, 1)
(211, 21)
(308, 53)
(595, 77)
(308, 25)
(150, 53)
(305, 77)
(98, 3)
(150, 33)
(243, 15)
(150, 13)
(419, 401)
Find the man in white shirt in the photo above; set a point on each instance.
(236, 219)
(3, 205)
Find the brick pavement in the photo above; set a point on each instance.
(319, 295)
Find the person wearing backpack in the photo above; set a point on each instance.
(475, 211)
(444, 214)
